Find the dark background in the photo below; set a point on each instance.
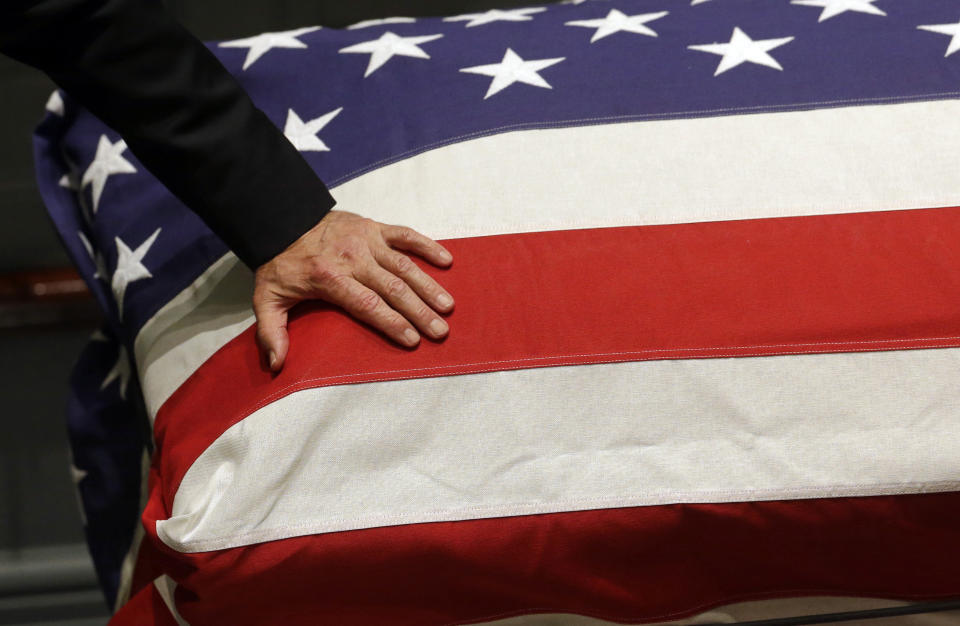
(45, 572)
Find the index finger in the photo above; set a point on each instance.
(404, 238)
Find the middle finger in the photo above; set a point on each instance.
(402, 298)
(422, 283)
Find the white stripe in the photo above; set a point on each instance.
(191, 327)
(575, 438)
(825, 161)
(842, 160)
(759, 610)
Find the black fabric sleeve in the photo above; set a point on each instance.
(181, 113)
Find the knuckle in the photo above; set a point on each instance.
(339, 284)
(425, 314)
(327, 283)
(396, 286)
(406, 234)
(368, 227)
(264, 302)
(367, 302)
(403, 264)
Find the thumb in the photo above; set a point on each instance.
(272, 331)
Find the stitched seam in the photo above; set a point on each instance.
(301, 385)
(591, 121)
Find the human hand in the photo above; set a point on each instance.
(348, 260)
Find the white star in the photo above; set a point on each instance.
(385, 20)
(264, 42)
(615, 21)
(946, 29)
(836, 7)
(121, 371)
(303, 135)
(513, 69)
(741, 49)
(494, 15)
(130, 267)
(55, 103)
(107, 161)
(96, 256)
(696, 2)
(389, 45)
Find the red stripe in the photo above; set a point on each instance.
(869, 281)
(850, 282)
(627, 565)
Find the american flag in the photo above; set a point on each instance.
(704, 358)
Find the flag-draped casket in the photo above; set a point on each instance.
(703, 361)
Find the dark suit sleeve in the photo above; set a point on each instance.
(181, 113)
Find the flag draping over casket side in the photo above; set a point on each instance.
(705, 344)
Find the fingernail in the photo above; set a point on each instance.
(446, 256)
(444, 300)
(273, 359)
(438, 327)
(411, 336)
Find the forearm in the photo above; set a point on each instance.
(181, 113)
